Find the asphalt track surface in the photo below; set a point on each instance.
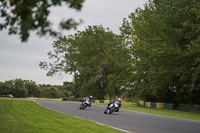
(126, 120)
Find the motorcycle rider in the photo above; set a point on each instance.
(118, 102)
(89, 99)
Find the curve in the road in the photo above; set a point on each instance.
(124, 119)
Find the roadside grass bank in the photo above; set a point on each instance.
(26, 116)
(162, 112)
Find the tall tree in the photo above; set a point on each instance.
(164, 40)
(96, 57)
(4, 89)
(33, 89)
(23, 16)
(68, 86)
(18, 88)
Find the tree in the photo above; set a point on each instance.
(164, 39)
(4, 89)
(7, 87)
(68, 86)
(33, 89)
(18, 88)
(52, 92)
(96, 57)
(23, 16)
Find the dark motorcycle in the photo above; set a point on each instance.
(84, 105)
(113, 107)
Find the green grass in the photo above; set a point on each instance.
(162, 112)
(25, 116)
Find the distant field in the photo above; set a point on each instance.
(162, 112)
(25, 116)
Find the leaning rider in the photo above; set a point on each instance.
(118, 102)
(89, 99)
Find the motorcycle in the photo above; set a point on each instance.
(113, 107)
(84, 105)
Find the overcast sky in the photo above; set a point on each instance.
(21, 60)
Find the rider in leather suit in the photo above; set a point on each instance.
(118, 102)
(89, 99)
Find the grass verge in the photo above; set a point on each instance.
(25, 116)
(161, 112)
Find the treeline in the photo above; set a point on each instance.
(156, 57)
(29, 88)
(164, 40)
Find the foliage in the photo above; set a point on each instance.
(19, 89)
(14, 87)
(164, 39)
(28, 88)
(68, 86)
(52, 92)
(97, 58)
(33, 89)
(22, 16)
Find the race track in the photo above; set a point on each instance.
(126, 120)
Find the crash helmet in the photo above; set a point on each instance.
(91, 97)
(119, 99)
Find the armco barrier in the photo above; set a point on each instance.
(101, 101)
(153, 105)
(106, 101)
(192, 108)
(183, 107)
(96, 101)
(168, 105)
(160, 105)
(70, 99)
(141, 103)
(148, 104)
